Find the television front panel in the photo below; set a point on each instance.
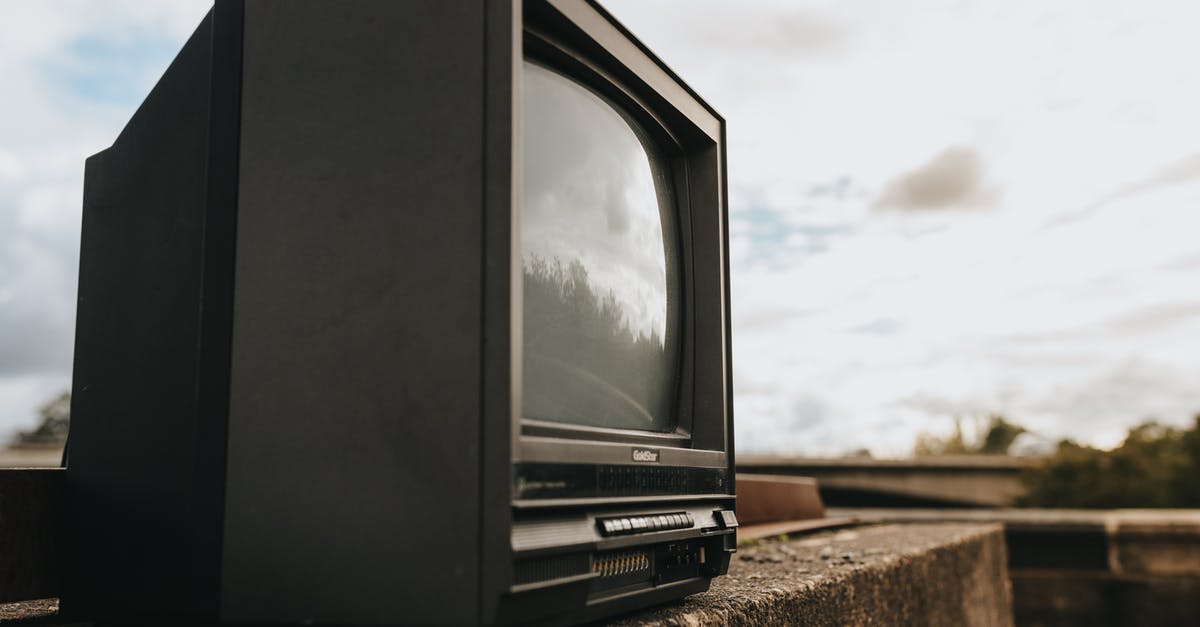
(403, 313)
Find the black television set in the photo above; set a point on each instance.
(403, 313)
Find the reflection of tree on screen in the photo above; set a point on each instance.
(583, 363)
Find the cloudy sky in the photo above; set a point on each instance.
(73, 74)
(947, 209)
(938, 209)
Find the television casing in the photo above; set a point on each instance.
(298, 349)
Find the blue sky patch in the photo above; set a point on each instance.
(114, 70)
(772, 237)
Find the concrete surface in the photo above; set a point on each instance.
(1044, 598)
(29, 612)
(1089, 567)
(918, 574)
(1138, 542)
(31, 457)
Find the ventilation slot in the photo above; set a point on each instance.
(547, 568)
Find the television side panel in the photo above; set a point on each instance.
(134, 493)
(353, 483)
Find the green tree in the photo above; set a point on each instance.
(55, 422)
(1156, 466)
(999, 435)
(1185, 475)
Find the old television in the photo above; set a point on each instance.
(403, 313)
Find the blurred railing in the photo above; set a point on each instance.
(953, 481)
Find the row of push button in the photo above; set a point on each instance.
(641, 524)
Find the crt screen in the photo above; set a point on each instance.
(598, 246)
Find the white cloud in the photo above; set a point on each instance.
(952, 179)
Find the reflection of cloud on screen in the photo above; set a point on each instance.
(590, 195)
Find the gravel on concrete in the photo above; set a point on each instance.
(28, 611)
(915, 574)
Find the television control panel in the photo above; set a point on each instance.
(608, 554)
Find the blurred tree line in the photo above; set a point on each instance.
(53, 424)
(997, 437)
(1156, 466)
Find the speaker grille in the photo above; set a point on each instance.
(621, 563)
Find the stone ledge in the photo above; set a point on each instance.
(1089, 567)
(915, 574)
(1156, 543)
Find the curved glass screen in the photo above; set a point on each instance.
(598, 245)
